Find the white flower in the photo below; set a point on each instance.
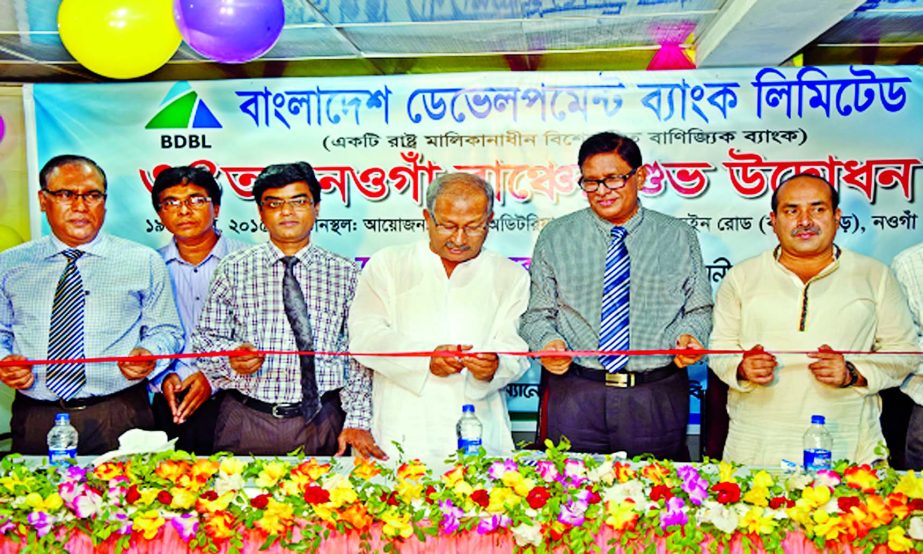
(916, 528)
(228, 483)
(632, 490)
(798, 481)
(527, 534)
(723, 517)
(604, 473)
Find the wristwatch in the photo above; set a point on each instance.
(853, 376)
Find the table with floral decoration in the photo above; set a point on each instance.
(554, 501)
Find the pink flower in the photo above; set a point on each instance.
(573, 512)
(186, 526)
(41, 522)
(674, 514)
(492, 523)
(7, 525)
(126, 528)
(451, 517)
(498, 468)
(546, 470)
(86, 504)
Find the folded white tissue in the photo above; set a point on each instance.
(138, 441)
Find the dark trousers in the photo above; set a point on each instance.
(644, 419)
(914, 452)
(244, 430)
(197, 434)
(98, 426)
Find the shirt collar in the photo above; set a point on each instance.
(829, 268)
(306, 255)
(631, 225)
(218, 251)
(96, 247)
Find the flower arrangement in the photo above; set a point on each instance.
(538, 502)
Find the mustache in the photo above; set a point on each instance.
(452, 245)
(806, 229)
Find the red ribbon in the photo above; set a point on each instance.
(440, 354)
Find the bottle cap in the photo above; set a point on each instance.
(468, 409)
(818, 420)
(66, 418)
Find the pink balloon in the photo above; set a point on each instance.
(2, 128)
(230, 31)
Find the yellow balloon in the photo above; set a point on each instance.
(120, 39)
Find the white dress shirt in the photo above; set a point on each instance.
(908, 267)
(406, 302)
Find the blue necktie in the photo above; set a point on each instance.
(65, 334)
(296, 310)
(613, 322)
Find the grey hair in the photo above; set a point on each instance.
(446, 179)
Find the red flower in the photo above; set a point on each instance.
(537, 497)
(481, 498)
(915, 504)
(132, 495)
(164, 497)
(593, 498)
(428, 493)
(846, 503)
(316, 495)
(389, 498)
(209, 495)
(727, 493)
(661, 492)
(261, 501)
(777, 502)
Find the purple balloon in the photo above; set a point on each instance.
(230, 31)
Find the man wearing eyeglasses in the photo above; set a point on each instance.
(75, 294)
(285, 295)
(188, 201)
(442, 294)
(616, 276)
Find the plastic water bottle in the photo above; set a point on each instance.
(469, 429)
(62, 441)
(817, 445)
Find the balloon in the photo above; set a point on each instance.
(120, 39)
(230, 31)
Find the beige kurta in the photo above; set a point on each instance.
(405, 302)
(853, 304)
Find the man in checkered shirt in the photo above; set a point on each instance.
(263, 413)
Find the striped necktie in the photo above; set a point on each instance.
(296, 310)
(613, 322)
(65, 334)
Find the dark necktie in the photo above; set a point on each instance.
(296, 310)
(65, 333)
(613, 323)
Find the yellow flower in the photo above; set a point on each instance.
(861, 477)
(758, 496)
(109, 470)
(50, 504)
(291, 488)
(311, 469)
(726, 472)
(270, 474)
(365, 468)
(898, 541)
(815, 496)
(910, 485)
(231, 466)
(148, 495)
(342, 492)
(762, 479)
(148, 522)
(515, 481)
(408, 490)
(220, 526)
(621, 515)
(396, 525)
(277, 517)
(182, 498)
(828, 526)
(203, 469)
(623, 472)
(414, 470)
(453, 476)
(463, 488)
(755, 521)
(10, 482)
(217, 505)
(501, 499)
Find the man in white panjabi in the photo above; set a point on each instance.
(444, 294)
(807, 294)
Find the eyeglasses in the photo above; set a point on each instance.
(451, 229)
(192, 202)
(612, 182)
(65, 196)
(297, 203)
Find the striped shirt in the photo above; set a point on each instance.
(670, 292)
(190, 289)
(908, 267)
(244, 305)
(129, 304)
